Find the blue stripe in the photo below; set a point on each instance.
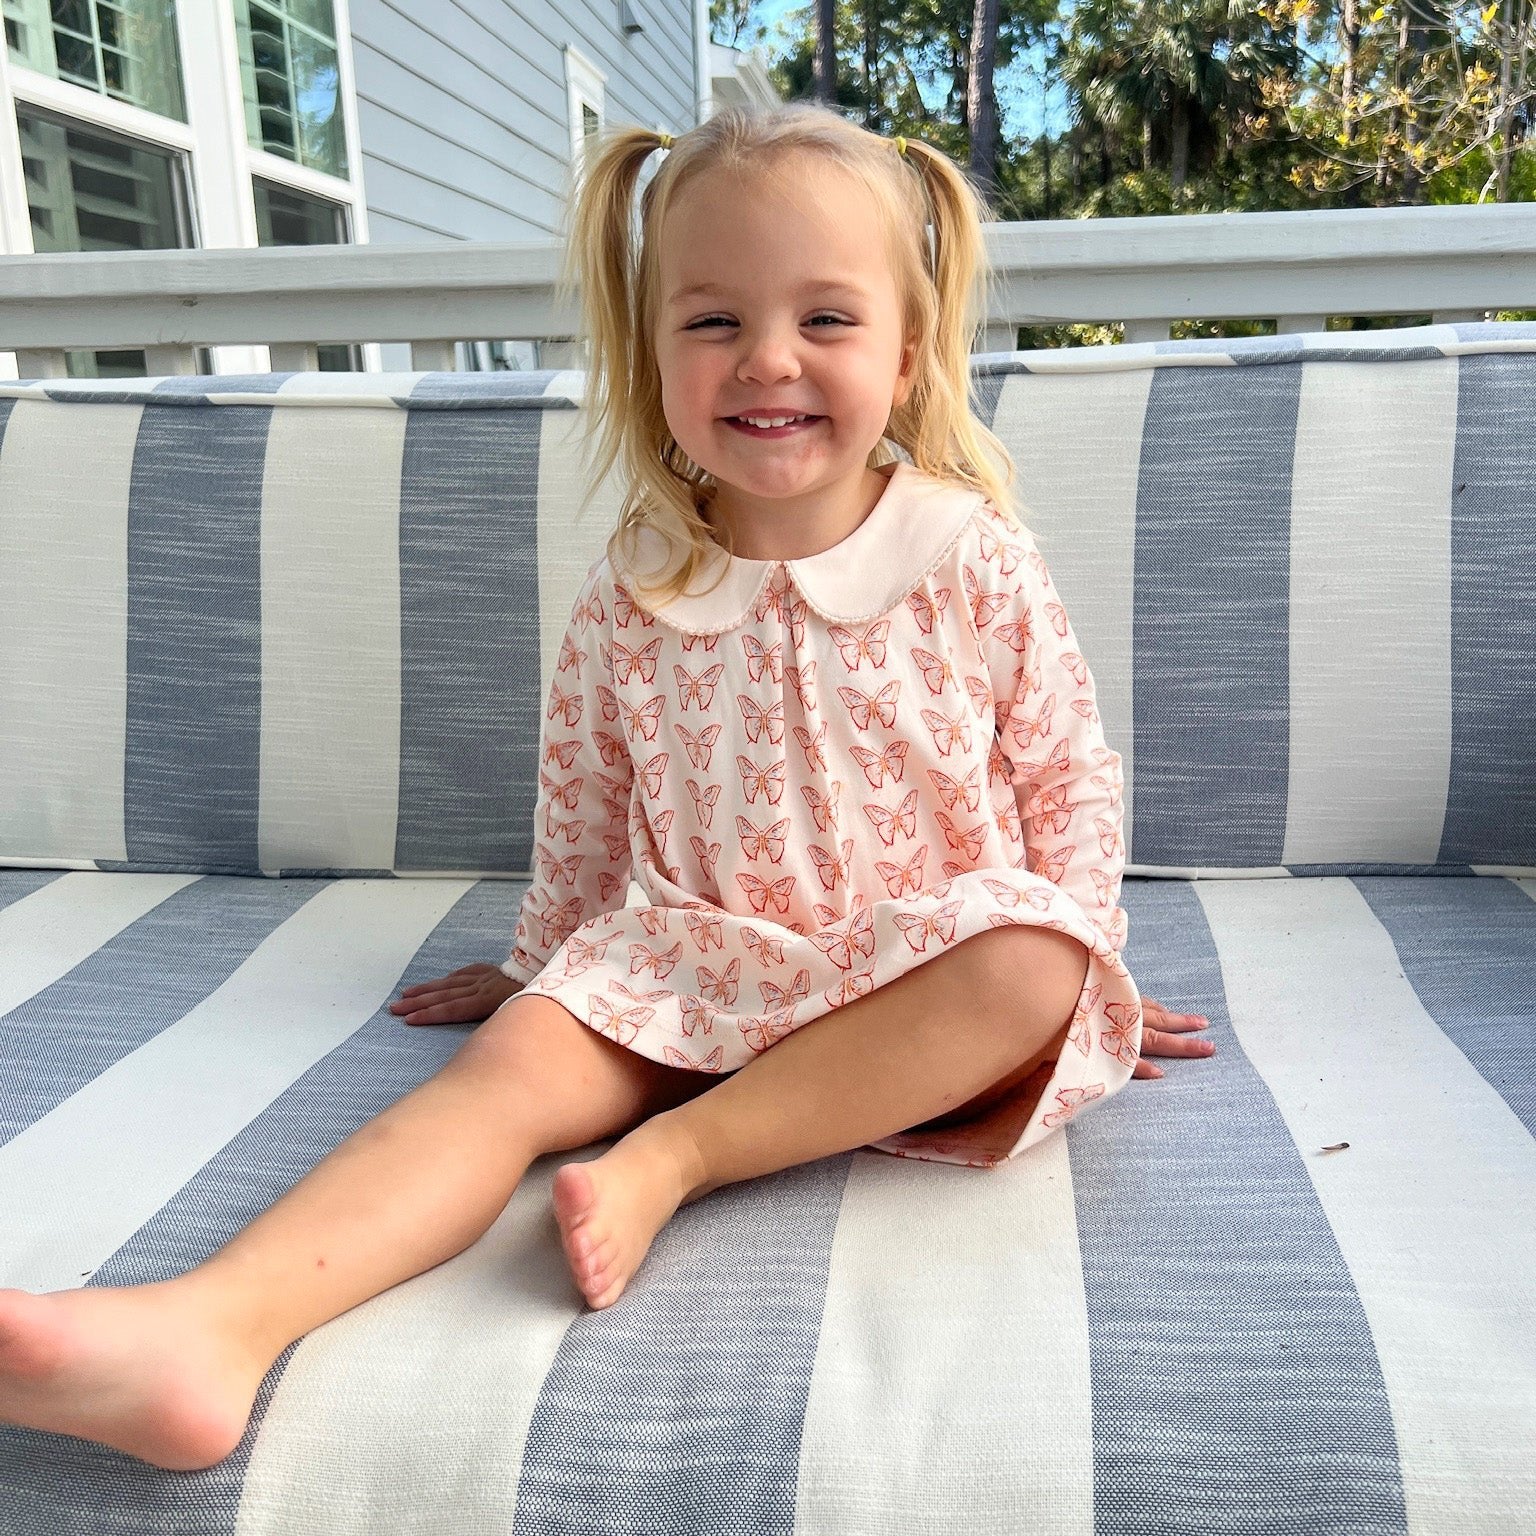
(505, 389)
(191, 778)
(18, 883)
(1211, 677)
(1235, 1385)
(1468, 949)
(1490, 813)
(5, 416)
(138, 983)
(194, 389)
(471, 699)
(50, 1484)
(682, 1408)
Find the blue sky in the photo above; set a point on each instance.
(1019, 97)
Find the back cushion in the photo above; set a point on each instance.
(306, 623)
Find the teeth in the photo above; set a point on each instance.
(771, 421)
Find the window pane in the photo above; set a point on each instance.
(286, 217)
(291, 82)
(123, 48)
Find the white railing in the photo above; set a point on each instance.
(1452, 263)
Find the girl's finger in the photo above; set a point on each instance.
(1157, 1042)
(1146, 1069)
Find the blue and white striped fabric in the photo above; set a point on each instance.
(303, 641)
(1180, 1316)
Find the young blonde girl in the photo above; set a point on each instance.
(820, 701)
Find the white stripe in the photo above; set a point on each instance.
(951, 1386)
(75, 1185)
(46, 934)
(1434, 1202)
(1082, 510)
(460, 1353)
(330, 641)
(1438, 336)
(63, 629)
(567, 545)
(344, 389)
(1370, 630)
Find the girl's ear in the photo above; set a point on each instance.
(904, 379)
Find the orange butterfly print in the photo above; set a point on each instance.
(1050, 808)
(684, 1062)
(767, 1031)
(904, 879)
(567, 706)
(1072, 1100)
(651, 772)
(856, 649)
(704, 927)
(617, 844)
(627, 662)
(971, 841)
(1027, 727)
(1077, 666)
(607, 884)
(831, 868)
(625, 608)
(980, 691)
(754, 780)
(1085, 708)
(757, 719)
(592, 611)
(1078, 1032)
(1110, 843)
(952, 790)
(610, 748)
(556, 922)
(948, 732)
(918, 927)
(1056, 765)
(1111, 786)
(1120, 1039)
(937, 670)
(760, 892)
(812, 746)
(653, 920)
(698, 689)
(615, 788)
(570, 656)
(608, 702)
(823, 807)
(755, 841)
(697, 1014)
(1006, 551)
(1058, 617)
(854, 984)
(1105, 883)
(841, 943)
(566, 794)
(801, 679)
(773, 597)
(861, 706)
(704, 800)
(720, 986)
(766, 950)
(1052, 866)
(701, 746)
(624, 989)
(877, 764)
(1016, 634)
(1008, 821)
(565, 869)
(903, 819)
(928, 610)
(706, 854)
(775, 996)
(562, 752)
(760, 655)
(1037, 560)
(660, 962)
(580, 953)
(643, 721)
(661, 822)
(710, 641)
(619, 1024)
(985, 606)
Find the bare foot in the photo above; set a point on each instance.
(135, 1368)
(611, 1209)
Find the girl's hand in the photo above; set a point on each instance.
(1167, 1034)
(467, 995)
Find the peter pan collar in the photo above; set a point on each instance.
(909, 531)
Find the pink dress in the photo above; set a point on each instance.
(822, 774)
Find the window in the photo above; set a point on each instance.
(292, 81)
(122, 48)
(286, 217)
(584, 83)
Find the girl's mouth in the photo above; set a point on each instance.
(787, 430)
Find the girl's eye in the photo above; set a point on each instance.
(710, 320)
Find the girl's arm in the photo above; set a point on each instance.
(581, 856)
(1066, 777)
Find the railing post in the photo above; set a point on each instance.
(1146, 330)
(47, 363)
(433, 357)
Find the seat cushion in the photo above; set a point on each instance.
(1183, 1314)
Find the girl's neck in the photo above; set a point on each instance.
(794, 528)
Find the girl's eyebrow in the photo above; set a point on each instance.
(815, 285)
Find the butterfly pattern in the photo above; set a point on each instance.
(812, 806)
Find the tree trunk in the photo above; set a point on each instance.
(826, 51)
(1178, 128)
(981, 103)
(871, 65)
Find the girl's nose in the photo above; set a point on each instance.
(768, 358)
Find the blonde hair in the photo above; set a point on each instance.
(942, 291)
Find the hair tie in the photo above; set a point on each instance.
(901, 146)
(666, 140)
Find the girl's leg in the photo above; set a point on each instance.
(948, 1039)
(168, 1372)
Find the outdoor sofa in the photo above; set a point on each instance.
(274, 657)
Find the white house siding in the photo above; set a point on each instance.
(464, 113)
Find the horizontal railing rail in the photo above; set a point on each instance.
(1296, 269)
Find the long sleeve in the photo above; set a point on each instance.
(1067, 779)
(581, 855)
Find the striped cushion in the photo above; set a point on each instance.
(1180, 1316)
(305, 624)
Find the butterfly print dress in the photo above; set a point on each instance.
(821, 774)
